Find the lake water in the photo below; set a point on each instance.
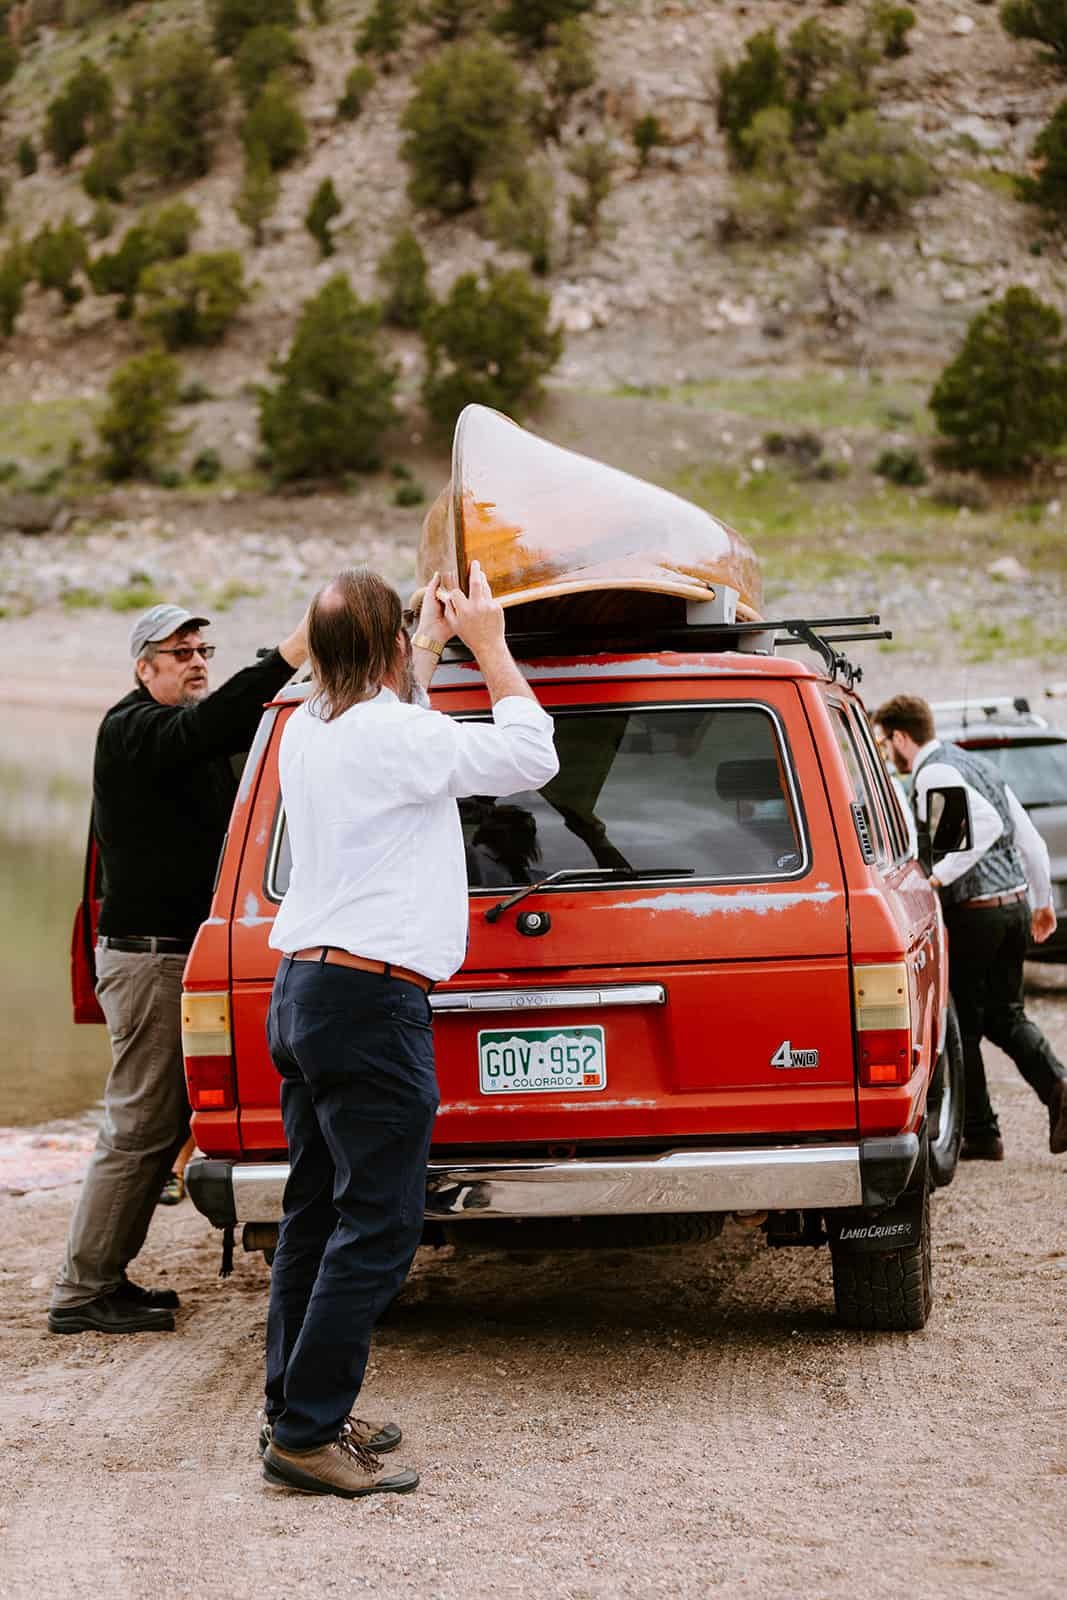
(49, 1068)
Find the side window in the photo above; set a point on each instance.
(870, 823)
(891, 804)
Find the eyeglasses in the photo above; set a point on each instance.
(185, 652)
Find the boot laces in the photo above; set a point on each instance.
(359, 1452)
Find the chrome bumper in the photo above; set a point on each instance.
(779, 1178)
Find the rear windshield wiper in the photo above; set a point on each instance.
(582, 875)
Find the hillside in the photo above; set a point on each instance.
(682, 353)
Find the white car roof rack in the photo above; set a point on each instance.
(992, 711)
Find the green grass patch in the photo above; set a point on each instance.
(233, 590)
(815, 399)
(133, 597)
(804, 531)
(991, 178)
(986, 641)
(39, 433)
(80, 599)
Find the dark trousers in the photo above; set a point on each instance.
(986, 949)
(359, 1096)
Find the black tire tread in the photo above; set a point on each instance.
(885, 1291)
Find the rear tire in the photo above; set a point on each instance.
(888, 1291)
(944, 1106)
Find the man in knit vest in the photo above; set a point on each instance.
(996, 897)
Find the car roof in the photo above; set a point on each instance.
(996, 719)
(604, 667)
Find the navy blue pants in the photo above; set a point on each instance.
(359, 1096)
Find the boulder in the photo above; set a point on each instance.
(1007, 569)
(31, 513)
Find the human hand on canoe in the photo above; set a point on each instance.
(475, 617)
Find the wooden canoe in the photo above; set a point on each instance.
(548, 524)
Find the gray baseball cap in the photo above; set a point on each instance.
(159, 623)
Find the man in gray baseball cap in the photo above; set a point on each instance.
(157, 624)
(163, 788)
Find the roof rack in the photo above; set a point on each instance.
(995, 710)
(700, 631)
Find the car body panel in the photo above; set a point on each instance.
(717, 979)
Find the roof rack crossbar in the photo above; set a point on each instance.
(809, 631)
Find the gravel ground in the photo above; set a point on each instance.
(587, 1426)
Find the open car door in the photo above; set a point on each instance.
(83, 940)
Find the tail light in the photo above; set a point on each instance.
(883, 1023)
(207, 1046)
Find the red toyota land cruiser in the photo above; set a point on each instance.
(704, 976)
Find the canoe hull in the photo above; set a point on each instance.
(548, 524)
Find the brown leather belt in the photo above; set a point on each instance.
(342, 958)
(1009, 899)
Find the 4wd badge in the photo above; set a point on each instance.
(785, 1056)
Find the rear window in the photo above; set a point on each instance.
(1036, 772)
(707, 789)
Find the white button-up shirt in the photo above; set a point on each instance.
(986, 826)
(370, 805)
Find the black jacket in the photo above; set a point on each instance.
(163, 789)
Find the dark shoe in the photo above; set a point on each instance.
(377, 1437)
(982, 1147)
(149, 1299)
(1057, 1119)
(110, 1313)
(173, 1191)
(340, 1467)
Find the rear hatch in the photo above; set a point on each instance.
(687, 983)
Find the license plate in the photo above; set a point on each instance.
(542, 1061)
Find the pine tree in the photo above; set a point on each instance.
(135, 429)
(334, 399)
(1003, 400)
(324, 207)
(258, 197)
(491, 343)
(404, 276)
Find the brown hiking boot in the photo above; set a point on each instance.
(377, 1437)
(341, 1467)
(1057, 1119)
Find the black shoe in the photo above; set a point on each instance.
(110, 1313)
(149, 1299)
(1057, 1119)
(982, 1147)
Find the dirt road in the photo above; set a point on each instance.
(628, 1424)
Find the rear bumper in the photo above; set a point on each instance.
(869, 1172)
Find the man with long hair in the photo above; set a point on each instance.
(375, 914)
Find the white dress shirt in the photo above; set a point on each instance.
(986, 827)
(370, 805)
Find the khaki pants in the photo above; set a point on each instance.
(146, 1122)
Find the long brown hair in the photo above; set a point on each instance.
(352, 632)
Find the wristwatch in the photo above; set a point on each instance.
(422, 641)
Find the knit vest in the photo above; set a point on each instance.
(1001, 867)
